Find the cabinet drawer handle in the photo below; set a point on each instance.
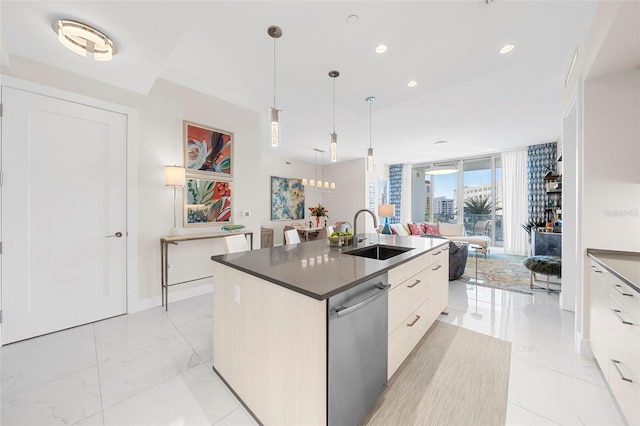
(414, 321)
(436, 268)
(437, 253)
(619, 289)
(615, 364)
(617, 313)
(596, 270)
(414, 284)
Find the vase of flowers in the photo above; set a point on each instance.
(319, 212)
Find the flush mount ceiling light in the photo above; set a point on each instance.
(334, 136)
(370, 163)
(441, 169)
(507, 48)
(274, 113)
(81, 38)
(381, 48)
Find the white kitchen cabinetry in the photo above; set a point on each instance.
(614, 336)
(419, 293)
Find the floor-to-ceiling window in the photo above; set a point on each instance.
(472, 196)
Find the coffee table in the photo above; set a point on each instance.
(475, 249)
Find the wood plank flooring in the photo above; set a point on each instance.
(454, 376)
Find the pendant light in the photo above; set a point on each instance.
(334, 136)
(315, 184)
(274, 113)
(370, 164)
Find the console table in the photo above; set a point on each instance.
(174, 240)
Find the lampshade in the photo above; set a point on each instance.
(174, 176)
(443, 169)
(387, 210)
(274, 115)
(81, 38)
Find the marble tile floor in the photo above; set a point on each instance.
(154, 368)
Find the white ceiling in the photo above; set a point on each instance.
(468, 94)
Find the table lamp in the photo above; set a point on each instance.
(174, 176)
(386, 211)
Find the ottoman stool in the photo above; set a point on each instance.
(546, 265)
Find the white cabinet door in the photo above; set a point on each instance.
(63, 203)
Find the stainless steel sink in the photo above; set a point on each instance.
(378, 251)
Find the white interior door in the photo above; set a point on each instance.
(64, 203)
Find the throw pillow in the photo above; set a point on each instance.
(394, 231)
(431, 228)
(416, 229)
(400, 229)
(406, 228)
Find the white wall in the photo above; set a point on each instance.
(351, 192)
(611, 205)
(159, 143)
(603, 167)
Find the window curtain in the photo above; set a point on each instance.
(405, 212)
(515, 210)
(540, 159)
(395, 190)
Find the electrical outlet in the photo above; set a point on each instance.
(169, 268)
(236, 293)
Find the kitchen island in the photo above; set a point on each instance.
(271, 317)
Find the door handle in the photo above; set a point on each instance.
(622, 376)
(414, 284)
(349, 309)
(116, 235)
(617, 313)
(619, 289)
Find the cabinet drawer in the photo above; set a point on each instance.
(406, 297)
(407, 270)
(625, 336)
(439, 255)
(406, 336)
(624, 385)
(626, 296)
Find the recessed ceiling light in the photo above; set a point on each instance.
(412, 83)
(507, 48)
(381, 48)
(439, 142)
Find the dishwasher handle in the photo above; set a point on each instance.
(350, 309)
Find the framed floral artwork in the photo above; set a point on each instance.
(207, 149)
(208, 201)
(287, 198)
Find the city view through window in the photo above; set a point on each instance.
(478, 205)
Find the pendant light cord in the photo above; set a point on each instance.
(274, 73)
(334, 104)
(370, 124)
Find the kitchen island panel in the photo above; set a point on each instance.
(270, 348)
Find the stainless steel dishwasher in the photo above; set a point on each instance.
(357, 350)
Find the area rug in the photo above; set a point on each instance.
(499, 271)
(454, 376)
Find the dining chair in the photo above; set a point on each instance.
(291, 236)
(236, 243)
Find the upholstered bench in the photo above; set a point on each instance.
(546, 265)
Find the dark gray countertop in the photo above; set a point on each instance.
(320, 271)
(623, 264)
